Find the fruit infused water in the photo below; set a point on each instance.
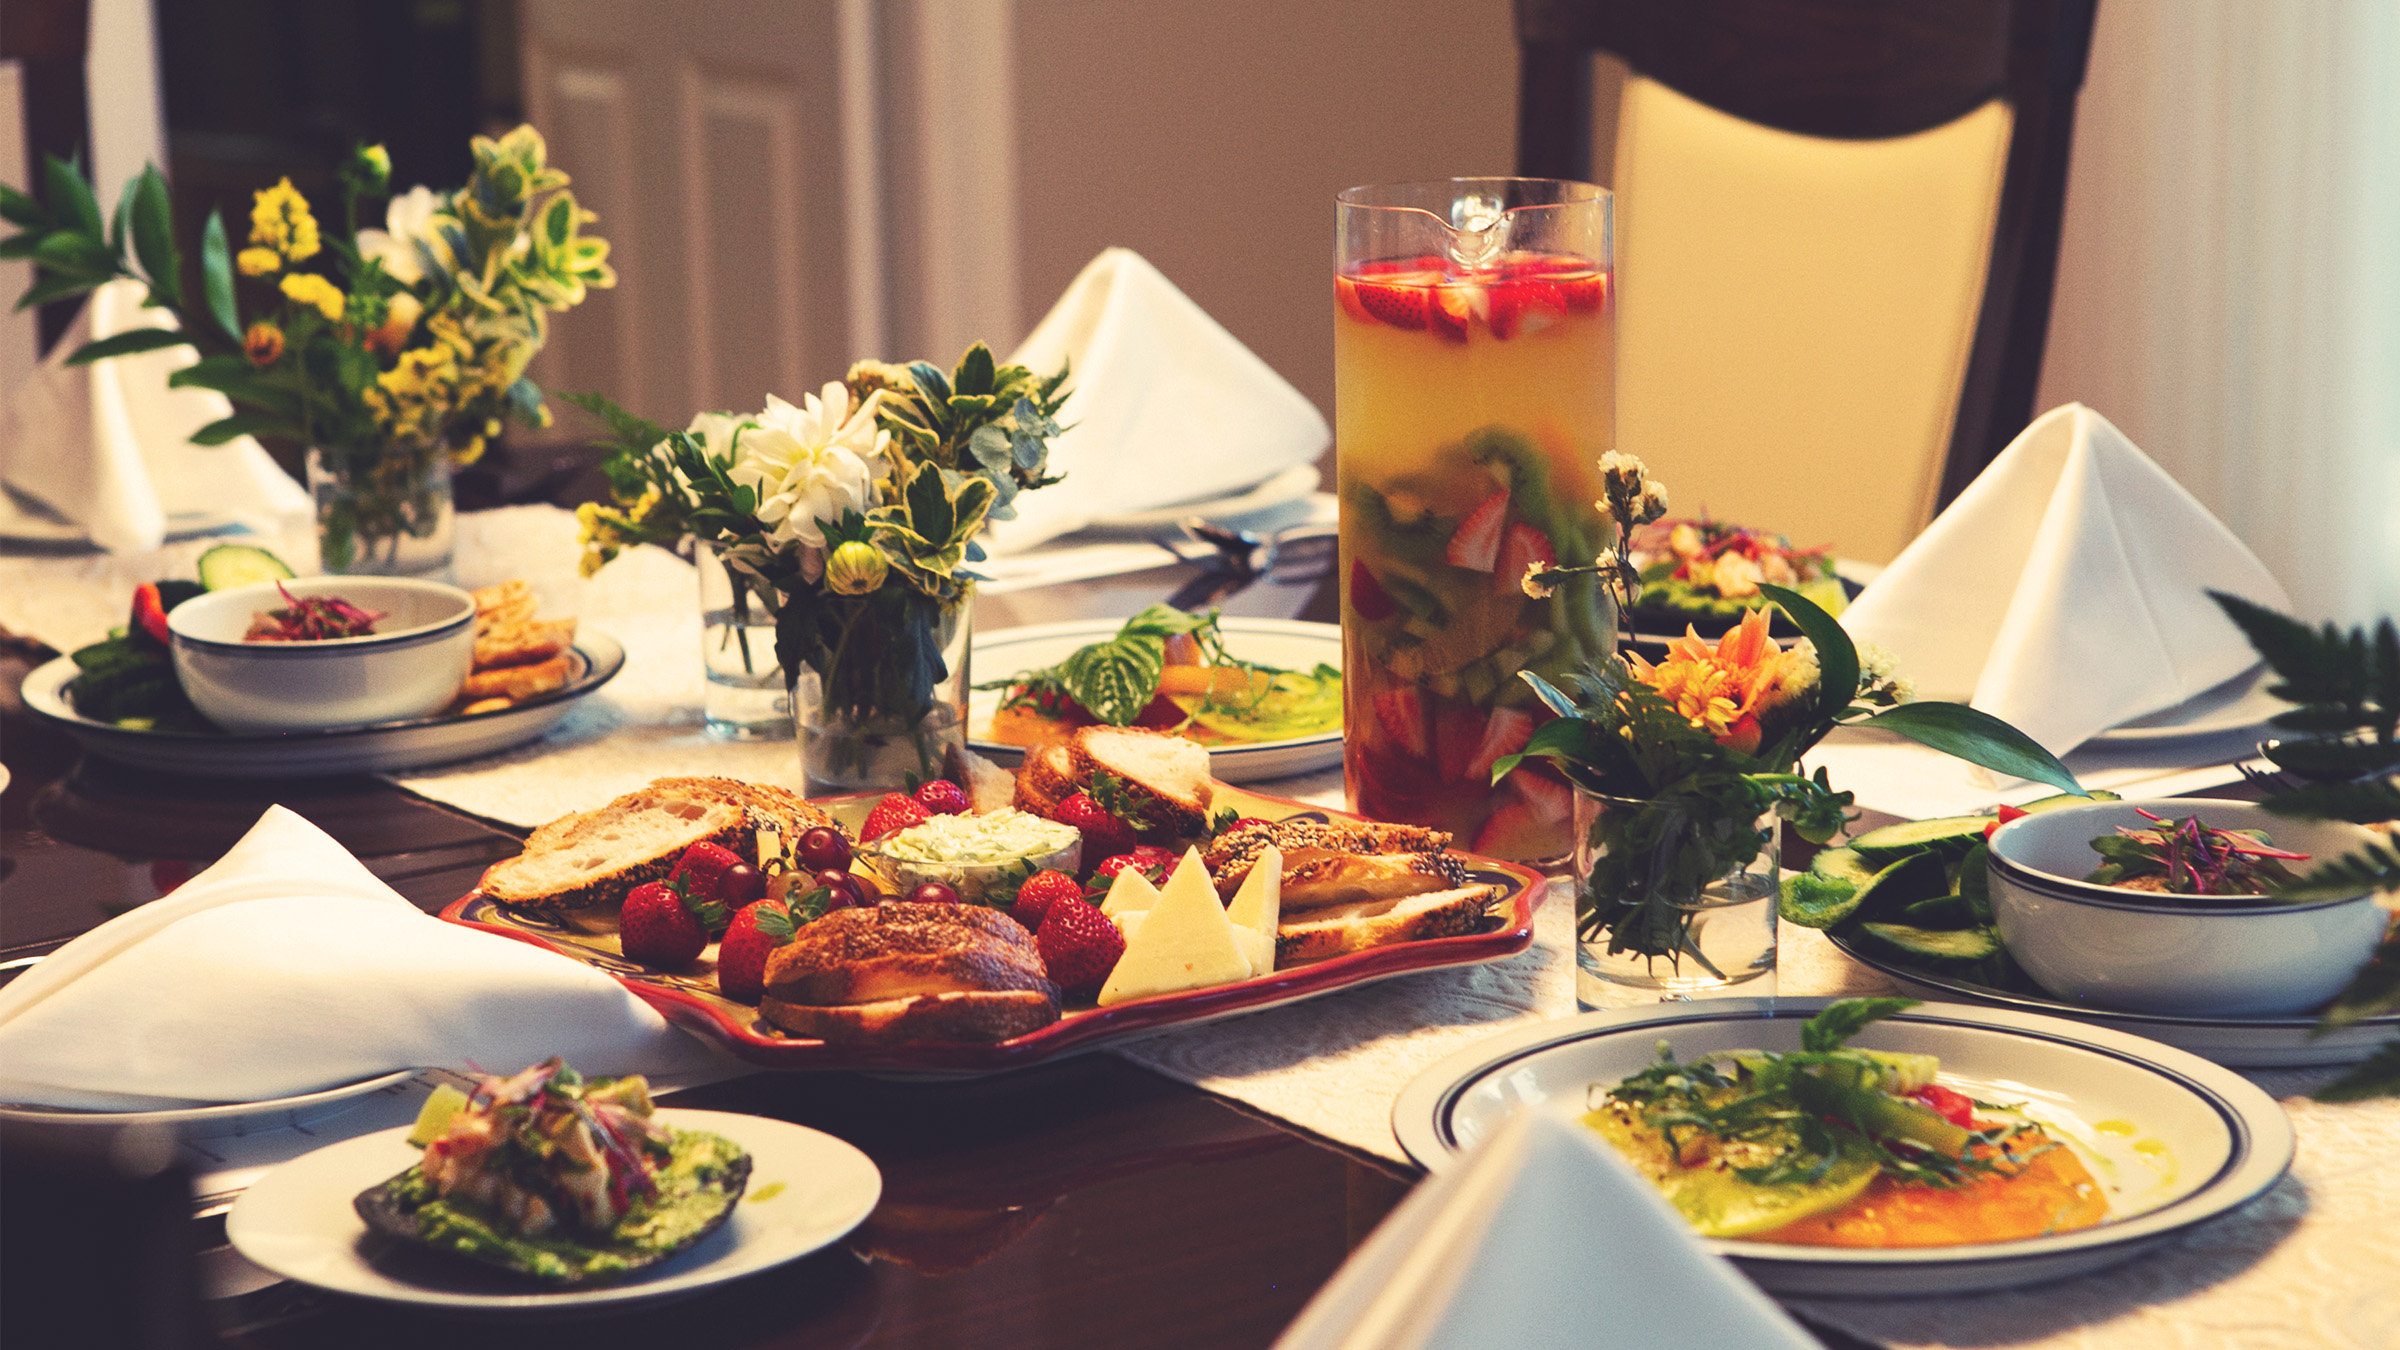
(1474, 376)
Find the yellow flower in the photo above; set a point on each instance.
(263, 344)
(307, 288)
(855, 568)
(1724, 689)
(257, 262)
(280, 220)
(606, 531)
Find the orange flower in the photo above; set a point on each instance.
(1722, 689)
(263, 344)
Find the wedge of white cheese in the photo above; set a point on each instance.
(1184, 942)
(1257, 910)
(1130, 891)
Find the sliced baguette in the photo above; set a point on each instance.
(777, 815)
(1164, 776)
(989, 787)
(1358, 925)
(578, 869)
(1045, 779)
(978, 1016)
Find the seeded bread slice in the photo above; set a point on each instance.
(777, 815)
(1165, 776)
(977, 1016)
(578, 869)
(1335, 929)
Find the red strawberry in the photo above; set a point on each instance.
(1455, 308)
(659, 926)
(1345, 293)
(754, 934)
(1401, 713)
(1505, 734)
(1521, 548)
(1079, 945)
(1151, 860)
(1552, 801)
(895, 812)
(1039, 893)
(1104, 835)
(1368, 599)
(1395, 305)
(1585, 295)
(941, 797)
(149, 612)
(1529, 305)
(1510, 832)
(1476, 542)
(713, 872)
(1457, 730)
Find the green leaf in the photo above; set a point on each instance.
(1812, 901)
(1832, 1029)
(1549, 695)
(974, 375)
(126, 344)
(1837, 656)
(2358, 803)
(1978, 738)
(51, 288)
(2374, 867)
(18, 209)
(216, 277)
(1165, 621)
(2317, 666)
(20, 245)
(1116, 679)
(71, 200)
(1568, 738)
(2378, 1077)
(67, 251)
(2375, 992)
(241, 424)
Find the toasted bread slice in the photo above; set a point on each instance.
(522, 644)
(507, 603)
(777, 815)
(989, 787)
(578, 869)
(1332, 930)
(1338, 862)
(517, 683)
(903, 950)
(1045, 779)
(1165, 776)
(979, 1017)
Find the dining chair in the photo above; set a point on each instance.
(1837, 233)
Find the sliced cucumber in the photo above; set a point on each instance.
(2068, 799)
(1913, 877)
(229, 565)
(1812, 901)
(1942, 911)
(1960, 944)
(1952, 835)
(1975, 883)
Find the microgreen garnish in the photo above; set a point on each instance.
(2190, 858)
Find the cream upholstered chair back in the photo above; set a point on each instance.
(1837, 230)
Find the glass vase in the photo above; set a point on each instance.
(383, 510)
(862, 725)
(746, 697)
(1674, 900)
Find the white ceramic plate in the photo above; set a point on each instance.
(1287, 643)
(1288, 486)
(2217, 1141)
(381, 748)
(2238, 703)
(223, 1120)
(807, 1189)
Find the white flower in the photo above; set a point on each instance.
(812, 463)
(408, 242)
(718, 433)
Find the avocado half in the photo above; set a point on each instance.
(697, 1189)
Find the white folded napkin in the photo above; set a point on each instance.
(1542, 1237)
(1167, 406)
(286, 967)
(108, 445)
(2065, 591)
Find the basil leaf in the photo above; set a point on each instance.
(1115, 680)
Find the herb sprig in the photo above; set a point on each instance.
(1115, 680)
(2190, 858)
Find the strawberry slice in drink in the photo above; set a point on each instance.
(1526, 305)
(1368, 599)
(1505, 734)
(1401, 714)
(1475, 545)
(1522, 547)
(1457, 733)
(1456, 305)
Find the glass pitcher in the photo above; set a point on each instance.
(1474, 392)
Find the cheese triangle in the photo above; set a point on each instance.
(1186, 942)
(1130, 891)
(1258, 905)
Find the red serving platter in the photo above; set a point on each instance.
(690, 999)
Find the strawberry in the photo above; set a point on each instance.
(895, 812)
(712, 872)
(1551, 801)
(1104, 835)
(1345, 294)
(660, 925)
(754, 934)
(1368, 599)
(1509, 832)
(1455, 308)
(1457, 732)
(1039, 893)
(1079, 946)
(1522, 547)
(1505, 734)
(2007, 814)
(1401, 713)
(1476, 542)
(1529, 305)
(1157, 863)
(149, 612)
(1394, 304)
(1585, 294)
(941, 797)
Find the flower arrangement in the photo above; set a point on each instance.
(851, 518)
(377, 349)
(1700, 747)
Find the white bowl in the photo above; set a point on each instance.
(411, 666)
(2189, 956)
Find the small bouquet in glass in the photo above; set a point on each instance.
(1684, 767)
(850, 521)
(390, 355)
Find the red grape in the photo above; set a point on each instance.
(933, 893)
(823, 849)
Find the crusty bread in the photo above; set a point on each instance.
(578, 869)
(516, 683)
(989, 787)
(1334, 929)
(777, 815)
(509, 602)
(1338, 862)
(522, 643)
(973, 1016)
(1164, 775)
(1046, 778)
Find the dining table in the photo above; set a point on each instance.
(1194, 1188)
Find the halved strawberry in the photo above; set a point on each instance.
(1510, 831)
(1551, 801)
(1455, 307)
(1526, 305)
(1457, 728)
(1401, 713)
(1522, 547)
(1505, 734)
(1394, 304)
(1476, 541)
(1368, 599)
(1345, 293)
(1585, 295)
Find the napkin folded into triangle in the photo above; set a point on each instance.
(287, 967)
(1167, 406)
(107, 445)
(2065, 591)
(1541, 1237)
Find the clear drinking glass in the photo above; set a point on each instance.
(1474, 391)
(746, 698)
(1719, 879)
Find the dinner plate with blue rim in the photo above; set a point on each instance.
(2174, 1140)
